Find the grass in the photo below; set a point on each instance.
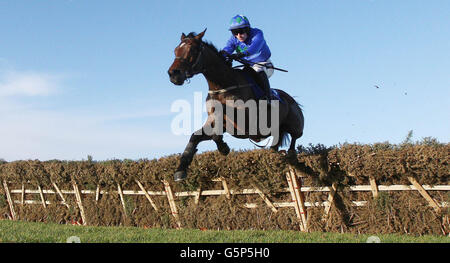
(32, 232)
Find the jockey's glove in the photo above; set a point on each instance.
(224, 54)
(236, 56)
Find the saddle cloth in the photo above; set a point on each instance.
(257, 89)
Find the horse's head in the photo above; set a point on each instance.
(187, 58)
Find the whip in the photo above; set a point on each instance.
(245, 62)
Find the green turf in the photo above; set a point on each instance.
(18, 231)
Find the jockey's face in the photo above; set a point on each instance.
(240, 33)
(241, 36)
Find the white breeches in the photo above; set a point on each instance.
(268, 68)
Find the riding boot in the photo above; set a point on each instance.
(265, 86)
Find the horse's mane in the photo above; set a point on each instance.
(212, 47)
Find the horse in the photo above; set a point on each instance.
(227, 86)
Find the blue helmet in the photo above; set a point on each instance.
(239, 21)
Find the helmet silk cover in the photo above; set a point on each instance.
(239, 21)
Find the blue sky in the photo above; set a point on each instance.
(82, 78)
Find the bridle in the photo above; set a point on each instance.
(194, 68)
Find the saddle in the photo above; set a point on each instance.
(254, 78)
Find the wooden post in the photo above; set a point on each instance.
(173, 206)
(297, 198)
(425, 194)
(197, 195)
(225, 187)
(41, 194)
(10, 201)
(60, 195)
(266, 200)
(79, 202)
(445, 224)
(328, 206)
(297, 185)
(97, 193)
(294, 200)
(374, 187)
(22, 196)
(122, 200)
(147, 195)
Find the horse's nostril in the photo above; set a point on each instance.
(170, 72)
(176, 72)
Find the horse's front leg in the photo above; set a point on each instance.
(221, 145)
(189, 152)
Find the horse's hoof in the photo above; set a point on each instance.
(292, 154)
(179, 176)
(224, 150)
(292, 157)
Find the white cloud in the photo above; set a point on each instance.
(13, 83)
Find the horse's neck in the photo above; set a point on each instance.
(219, 75)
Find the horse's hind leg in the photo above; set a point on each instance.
(292, 150)
(294, 127)
(221, 145)
(296, 132)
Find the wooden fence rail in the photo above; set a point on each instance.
(295, 189)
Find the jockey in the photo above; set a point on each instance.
(250, 45)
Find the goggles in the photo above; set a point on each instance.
(239, 31)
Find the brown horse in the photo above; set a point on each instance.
(227, 87)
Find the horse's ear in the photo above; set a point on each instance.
(183, 36)
(200, 36)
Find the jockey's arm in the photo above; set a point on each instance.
(230, 47)
(257, 44)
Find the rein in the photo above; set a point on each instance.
(202, 47)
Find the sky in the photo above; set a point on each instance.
(81, 78)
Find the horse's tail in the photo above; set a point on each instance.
(295, 121)
(285, 139)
